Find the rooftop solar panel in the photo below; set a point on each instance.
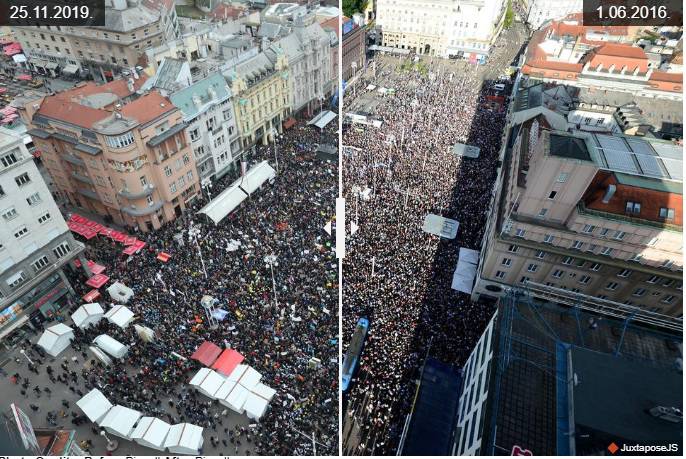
(650, 165)
(621, 161)
(674, 168)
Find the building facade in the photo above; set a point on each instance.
(443, 28)
(120, 154)
(354, 52)
(35, 242)
(130, 28)
(208, 111)
(537, 12)
(261, 96)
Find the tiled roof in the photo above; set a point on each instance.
(670, 77)
(620, 50)
(148, 107)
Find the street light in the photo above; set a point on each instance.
(271, 261)
(275, 133)
(23, 352)
(193, 234)
(111, 444)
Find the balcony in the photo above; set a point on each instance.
(73, 160)
(135, 211)
(146, 191)
(82, 178)
(583, 210)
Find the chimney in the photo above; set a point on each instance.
(129, 84)
(609, 193)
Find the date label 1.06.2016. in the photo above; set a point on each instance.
(633, 13)
(52, 12)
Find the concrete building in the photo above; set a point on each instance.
(115, 152)
(35, 243)
(537, 12)
(444, 28)
(586, 210)
(551, 380)
(131, 26)
(208, 111)
(354, 53)
(261, 95)
(332, 27)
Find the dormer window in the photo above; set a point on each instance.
(633, 207)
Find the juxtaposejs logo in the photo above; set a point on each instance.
(636, 448)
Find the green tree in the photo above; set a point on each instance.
(351, 7)
(509, 16)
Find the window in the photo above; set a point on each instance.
(668, 299)
(61, 250)
(227, 114)
(9, 159)
(194, 134)
(144, 181)
(552, 194)
(603, 232)
(9, 214)
(500, 274)
(619, 235)
(513, 248)
(633, 207)
(520, 232)
(150, 200)
(577, 245)
(588, 228)
(639, 292)
(666, 213)
(567, 260)
(595, 267)
(186, 159)
(592, 248)
(2, 192)
(189, 176)
(562, 177)
(33, 199)
(532, 268)
(44, 218)
(167, 171)
(624, 273)
(524, 279)
(667, 264)
(580, 263)
(23, 179)
(540, 254)
(182, 181)
(653, 279)
(506, 262)
(16, 280)
(637, 257)
(558, 273)
(39, 264)
(119, 141)
(668, 283)
(172, 187)
(21, 232)
(585, 280)
(612, 286)
(542, 213)
(606, 251)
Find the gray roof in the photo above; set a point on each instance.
(271, 30)
(253, 68)
(168, 72)
(295, 43)
(131, 18)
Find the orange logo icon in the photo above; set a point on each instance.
(613, 448)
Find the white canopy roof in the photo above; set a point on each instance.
(255, 406)
(120, 292)
(111, 346)
(224, 390)
(207, 381)
(256, 176)
(120, 315)
(87, 315)
(144, 333)
(441, 226)
(55, 339)
(264, 391)
(103, 357)
(236, 399)
(120, 420)
(237, 373)
(184, 439)
(465, 270)
(151, 432)
(250, 378)
(94, 405)
(225, 203)
(323, 118)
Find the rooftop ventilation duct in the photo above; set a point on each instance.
(609, 193)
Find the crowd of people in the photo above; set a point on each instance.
(395, 274)
(279, 325)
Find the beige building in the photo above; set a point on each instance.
(261, 95)
(594, 213)
(114, 152)
(130, 28)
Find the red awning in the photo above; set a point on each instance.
(289, 123)
(95, 268)
(207, 353)
(24, 77)
(91, 296)
(3, 90)
(89, 233)
(139, 245)
(130, 250)
(97, 280)
(129, 240)
(228, 361)
(105, 231)
(163, 256)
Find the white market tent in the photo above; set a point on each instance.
(237, 373)
(207, 381)
(120, 420)
(256, 176)
(465, 270)
(264, 391)
(184, 439)
(224, 391)
(151, 432)
(236, 399)
(144, 333)
(104, 358)
(87, 315)
(322, 119)
(55, 339)
(250, 378)
(111, 346)
(120, 292)
(120, 315)
(255, 406)
(94, 405)
(227, 201)
(440, 226)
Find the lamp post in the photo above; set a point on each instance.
(23, 352)
(271, 260)
(193, 234)
(112, 445)
(275, 133)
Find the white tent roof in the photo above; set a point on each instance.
(256, 176)
(144, 333)
(120, 315)
(184, 439)
(250, 378)
(264, 391)
(120, 420)
(255, 406)
(120, 292)
(207, 382)
(224, 390)
(225, 203)
(94, 405)
(465, 271)
(111, 346)
(151, 432)
(322, 119)
(237, 398)
(87, 315)
(237, 373)
(55, 339)
(103, 357)
(441, 226)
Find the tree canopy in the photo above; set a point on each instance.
(351, 7)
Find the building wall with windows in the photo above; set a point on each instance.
(35, 243)
(540, 11)
(354, 49)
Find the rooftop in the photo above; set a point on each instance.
(568, 146)
(193, 99)
(131, 18)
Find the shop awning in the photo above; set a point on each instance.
(24, 77)
(289, 123)
(91, 296)
(227, 201)
(97, 280)
(322, 119)
(70, 68)
(228, 361)
(207, 353)
(163, 257)
(51, 65)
